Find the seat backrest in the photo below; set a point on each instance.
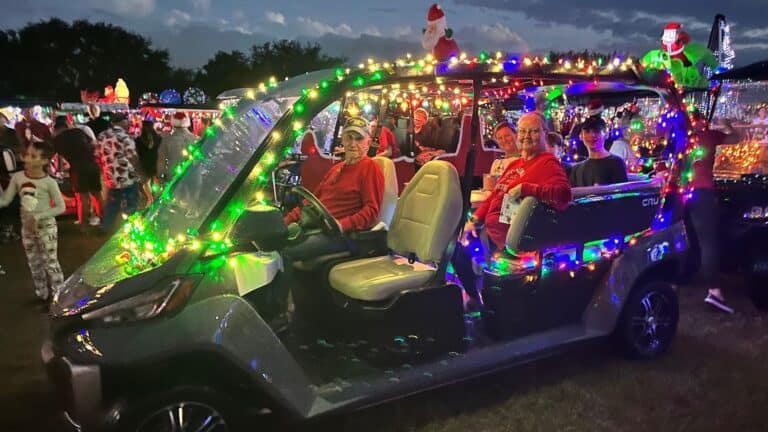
(389, 199)
(314, 168)
(427, 213)
(597, 213)
(448, 135)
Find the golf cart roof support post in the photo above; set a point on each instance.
(336, 138)
(713, 105)
(469, 167)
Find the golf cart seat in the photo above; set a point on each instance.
(424, 223)
(389, 198)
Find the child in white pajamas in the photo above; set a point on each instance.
(38, 219)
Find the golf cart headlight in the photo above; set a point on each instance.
(167, 297)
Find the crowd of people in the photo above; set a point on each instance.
(109, 168)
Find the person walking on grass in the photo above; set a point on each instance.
(38, 219)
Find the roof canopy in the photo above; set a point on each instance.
(756, 71)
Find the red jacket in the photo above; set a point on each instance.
(541, 177)
(352, 193)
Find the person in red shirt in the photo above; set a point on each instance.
(386, 143)
(537, 173)
(702, 211)
(351, 190)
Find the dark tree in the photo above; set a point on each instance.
(225, 71)
(55, 60)
(286, 58)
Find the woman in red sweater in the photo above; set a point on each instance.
(537, 173)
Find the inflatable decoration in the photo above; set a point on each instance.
(170, 96)
(109, 95)
(437, 37)
(680, 57)
(122, 94)
(149, 97)
(87, 97)
(194, 96)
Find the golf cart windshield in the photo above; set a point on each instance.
(196, 191)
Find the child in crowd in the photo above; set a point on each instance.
(38, 219)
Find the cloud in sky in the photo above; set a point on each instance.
(127, 8)
(275, 17)
(178, 18)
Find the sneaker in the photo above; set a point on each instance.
(718, 303)
(77, 222)
(2, 271)
(95, 221)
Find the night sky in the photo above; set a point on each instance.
(192, 30)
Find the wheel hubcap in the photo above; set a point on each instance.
(652, 323)
(185, 417)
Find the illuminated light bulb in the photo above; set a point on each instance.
(195, 245)
(216, 236)
(313, 94)
(249, 94)
(260, 196)
(218, 122)
(276, 135)
(297, 125)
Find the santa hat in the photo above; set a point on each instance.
(180, 120)
(671, 30)
(595, 107)
(436, 16)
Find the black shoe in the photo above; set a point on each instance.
(718, 304)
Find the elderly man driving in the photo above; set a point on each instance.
(537, 173)
(351, 190)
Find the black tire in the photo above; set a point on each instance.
(648, 322)
(198, 405)
(758, 291)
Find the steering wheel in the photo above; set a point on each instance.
(330, 224)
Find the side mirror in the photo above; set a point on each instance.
(262, 226)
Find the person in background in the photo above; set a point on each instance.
(425, 137)
(383, 141)
(594, 112)
(147, 145)
(506, 137)
(38, 218)
(556, 146)
(116, 152)
(97, 123)
(621, 146)
(602, 168)
(702, 210)
(10, 163)
(172, 146)
(74, 145)
(762, 117)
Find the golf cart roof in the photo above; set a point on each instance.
(756, 71)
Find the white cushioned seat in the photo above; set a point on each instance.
(424, 223)
(389, 199)
(379, 278)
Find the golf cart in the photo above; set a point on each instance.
(741, 182)
(188, 318)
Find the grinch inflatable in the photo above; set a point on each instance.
(437, 35)
(680, 57)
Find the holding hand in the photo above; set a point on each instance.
(516, 192)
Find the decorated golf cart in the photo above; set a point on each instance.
(741, 176)
(189, 310)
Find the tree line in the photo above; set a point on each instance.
(54, 60)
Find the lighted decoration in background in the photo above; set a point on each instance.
(170, 96)
(122, 94)
(680, 57)
(149, 97)
(144, 249)
(195, 96)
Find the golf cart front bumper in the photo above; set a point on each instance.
(77, 389)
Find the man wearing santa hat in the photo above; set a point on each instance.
(170, 152)
(437, 35)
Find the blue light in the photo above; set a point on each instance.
(510, 66)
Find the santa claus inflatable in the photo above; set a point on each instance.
(674, 40)
(437, 35)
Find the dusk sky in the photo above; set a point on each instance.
(193, 30)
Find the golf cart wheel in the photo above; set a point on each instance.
(758, 291)
(181, 409)
(648, 324)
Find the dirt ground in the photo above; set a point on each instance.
(714, 379)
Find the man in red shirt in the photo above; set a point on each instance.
(351, 190)
(537, 173)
